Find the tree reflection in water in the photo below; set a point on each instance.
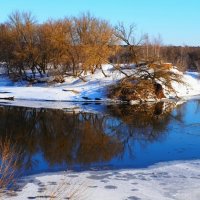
(145, 121)
(81, 138)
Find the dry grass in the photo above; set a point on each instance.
(8, 166)
(65, 188)
(9, 173)
(165, 76)
(68, 190)
(132, 89)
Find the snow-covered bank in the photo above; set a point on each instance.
(166, 181)
(73, 89)
(191, 86)
(94, 89)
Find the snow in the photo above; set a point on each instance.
(165, 181)
(191, 86)
(76, 90)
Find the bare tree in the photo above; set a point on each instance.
(25, 52)
(128, 38)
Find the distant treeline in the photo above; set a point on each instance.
(79, 44)
(184, 57)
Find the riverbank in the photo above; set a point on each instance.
(93, 89)
(165, 181)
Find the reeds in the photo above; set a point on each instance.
(68, 189)
(8, 166)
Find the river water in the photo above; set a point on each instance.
(117, 137)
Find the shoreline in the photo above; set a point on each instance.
(166, 180)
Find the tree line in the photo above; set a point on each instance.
(73, 45)
(76, 44)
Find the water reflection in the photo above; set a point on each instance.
(61, 137)
(54, 139)
(145, 121)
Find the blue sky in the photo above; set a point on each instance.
(177, 21)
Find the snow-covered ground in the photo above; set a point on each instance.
(191, 86)
(73, 89)
(166, 181)
(76, 90)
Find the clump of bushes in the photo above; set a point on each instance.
(133, 89)
(146, 83)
